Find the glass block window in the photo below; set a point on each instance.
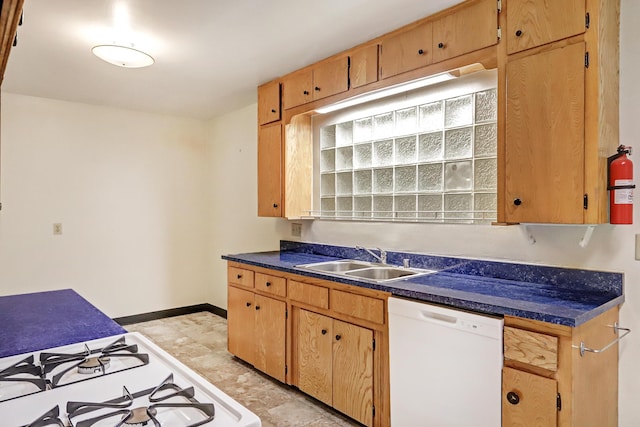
(433, 161)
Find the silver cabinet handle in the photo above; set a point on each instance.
(583, 348)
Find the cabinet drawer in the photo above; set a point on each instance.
(309, 294)
(240, 276)
(272, 284)
(531, 348)
(359, 306)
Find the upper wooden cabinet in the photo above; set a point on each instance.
(269, 103)
(560, 112)
(545, 137)
(533, 23)
(364, 66)
(407, 50)
(326, 79)
(270, 170)
(469, 28)
(10, 12)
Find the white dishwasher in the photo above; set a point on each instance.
(445, 366)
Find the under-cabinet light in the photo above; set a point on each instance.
(382, 93)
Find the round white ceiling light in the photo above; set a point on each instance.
(122, 56)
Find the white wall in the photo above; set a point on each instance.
(128, 188)
(233, 188)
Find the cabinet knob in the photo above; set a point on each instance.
(420, 52)
(513, 398)
(248, 304)
(257, 307)
(268, 284)
(306, 92)
(517, 202)
(273, 110)
(275, 205)
(324, 332)
(440, 45)
(239, 276)
(518, 33)
(317, 88)
(338, 337)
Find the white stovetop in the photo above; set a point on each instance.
(24, 410)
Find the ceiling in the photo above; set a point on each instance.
(210, 54)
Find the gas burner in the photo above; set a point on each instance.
(91, 365)
(66, 368)
(139, 416)
(50, 418)
(20, 379)
(166, 405)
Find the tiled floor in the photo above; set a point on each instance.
(200, 341)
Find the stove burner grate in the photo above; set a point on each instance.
(24, 371)
(90, 361)
(49, 418)
(140, 416)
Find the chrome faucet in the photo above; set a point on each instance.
(382, 257)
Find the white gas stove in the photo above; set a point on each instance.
(119, 381)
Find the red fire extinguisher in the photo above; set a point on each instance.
(621, 187)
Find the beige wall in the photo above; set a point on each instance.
(129, 190)
(232, 194)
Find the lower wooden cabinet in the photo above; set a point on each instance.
(547, 382)
(528, 400)
(330, 340)
(335, 363)
(257, 331)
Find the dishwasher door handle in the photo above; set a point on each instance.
(430, 315)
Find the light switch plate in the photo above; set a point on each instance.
(296, 229)
(637, 247)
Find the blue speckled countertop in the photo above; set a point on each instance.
(32, 322)
(564, 296)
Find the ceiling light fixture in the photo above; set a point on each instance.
(122, 56)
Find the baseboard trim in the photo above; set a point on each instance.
(172, 312)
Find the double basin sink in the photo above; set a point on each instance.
(356, 269)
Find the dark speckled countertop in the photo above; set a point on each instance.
(36, 321)
(564, 296)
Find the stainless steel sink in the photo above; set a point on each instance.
(381, 273)
(337, 266)
(363, 270)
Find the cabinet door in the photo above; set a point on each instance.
(528, 400)
(469, 29)
(269, 103)
(270, 324)
(533, 23)
(270, 170)
(406, 51)
(240, 324)
(544, 155)
(330, 78)
(353, 371)
(364, 66)
(314, 353)
(297, 89)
